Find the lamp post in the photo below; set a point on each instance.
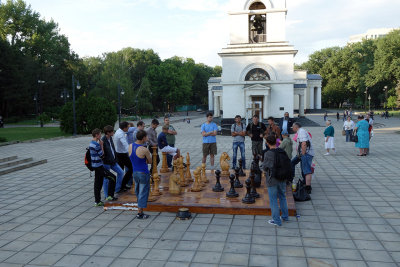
(369, 103)
(366, 94)
(35, 98)
(385, 89)
(64, 95)
(39, 99)
(78, 86)
(120, 92)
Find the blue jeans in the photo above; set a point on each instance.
(348, 134)
(235, 147)
(142, 188)
(120, 175)
(278, 192)
(296, 160)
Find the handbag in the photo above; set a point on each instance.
(343, 132)
(354, 137)
(301, 193)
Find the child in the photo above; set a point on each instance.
(96, 153)
(287, 144)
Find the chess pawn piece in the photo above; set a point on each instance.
(164, 166)
(253, 191)
(188, 175)
(255, 168)
(248, 199)
(241, 172)
(174, 187)
(181, 172)
(218, 187)
(224, 163)
(196, 185)
(232, 193)
(156, 189)
(204, 178)
(237, 183)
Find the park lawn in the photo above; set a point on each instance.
(29, 133)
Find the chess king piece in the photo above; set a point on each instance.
(174, 187)
(204, 178)
(164, 166)
(255, 167)
(241, 172)
(154, 171)
(224, 163)
(248, 199)
(253, 191)
(237, 183)
(232, 193)
(181, 172)
(197, 187)
(188, 175)
(218, 187)
(156, 189)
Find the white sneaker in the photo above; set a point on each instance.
(326, 154)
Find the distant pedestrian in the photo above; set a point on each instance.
(238, 132)
(348, 126)
(329, 134)
(325, 116)
(386, 114)
(337, 116)
(209, 132)
(344, 115)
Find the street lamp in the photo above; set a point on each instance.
(78, 86)
(120, 92)
(35, 98)
(385, 89)
(64, 95)
(39, 99)
(366, 94)
(369, 103)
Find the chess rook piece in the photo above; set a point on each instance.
(237, 183)
(181, 173)
(255, 168)
(204, 178)
(174, 187)
(218, 187)
(253, 191)
(164, 167)
(188, 175)
(241, 172)
(156, 189)
(224, 163)
(154, 164)
(232, 193)
(248, 199)
(197, 187)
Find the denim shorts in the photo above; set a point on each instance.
(306, 162)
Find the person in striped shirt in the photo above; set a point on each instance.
(96, 154)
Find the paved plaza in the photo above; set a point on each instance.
(47, 215)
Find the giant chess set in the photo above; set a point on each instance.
(222, 191)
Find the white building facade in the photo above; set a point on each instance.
(258, 75)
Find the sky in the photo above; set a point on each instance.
(199, 28)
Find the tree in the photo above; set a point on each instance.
(392, 102)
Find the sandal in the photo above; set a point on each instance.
(142, 216)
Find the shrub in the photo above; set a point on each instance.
(91, 112)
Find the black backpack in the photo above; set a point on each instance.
(301, 192)
(282, 170)
(88, 160)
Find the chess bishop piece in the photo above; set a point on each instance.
(188, 175)
(241, 172)
(218, 187)
(164, 166)
(174, 187)
(232, 193)
(197, 187)
(248, 199)
(255, 166)
(224, 163)
(237, 183)
(204, 178)
(253, 191)
(156, 189)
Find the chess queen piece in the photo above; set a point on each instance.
(174, 187)
(248, 199)
(156, 189)
(164, 166)
(232, 193)
(218, 187)
(224, 163)
(197, 187)
(188, 175)
(237, 183)
(253, 191)
(204, 178)
(241, 172)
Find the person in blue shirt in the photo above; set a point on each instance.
(209, 132)
(163, 144)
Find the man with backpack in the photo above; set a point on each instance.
(256, 130)
(238, 132)
(277, 168)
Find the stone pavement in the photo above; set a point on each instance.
(47, 215)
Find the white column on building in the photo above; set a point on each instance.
(311, 98)
(216, 106)
(210, 100)
(319, 104)
(301, 105)
(265, 107)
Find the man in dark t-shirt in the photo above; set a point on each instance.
(256, 130)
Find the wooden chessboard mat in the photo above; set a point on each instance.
(207, 201)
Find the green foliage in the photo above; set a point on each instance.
(43, 118)
(392, 102)
(91, 113)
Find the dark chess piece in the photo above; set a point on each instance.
(232, 192)
(253, 191)
(241, 172)
(237, 184)
(248, 199)
(218, 187)
(255, 168)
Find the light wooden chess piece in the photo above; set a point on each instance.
(164, 167)
(201, 182)
(174, 187)
(181, 172)
(204, 178)
(224, 163)
(197, 186)
(156, 189)
(154, 161)
(151, 197)
(188, 175)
